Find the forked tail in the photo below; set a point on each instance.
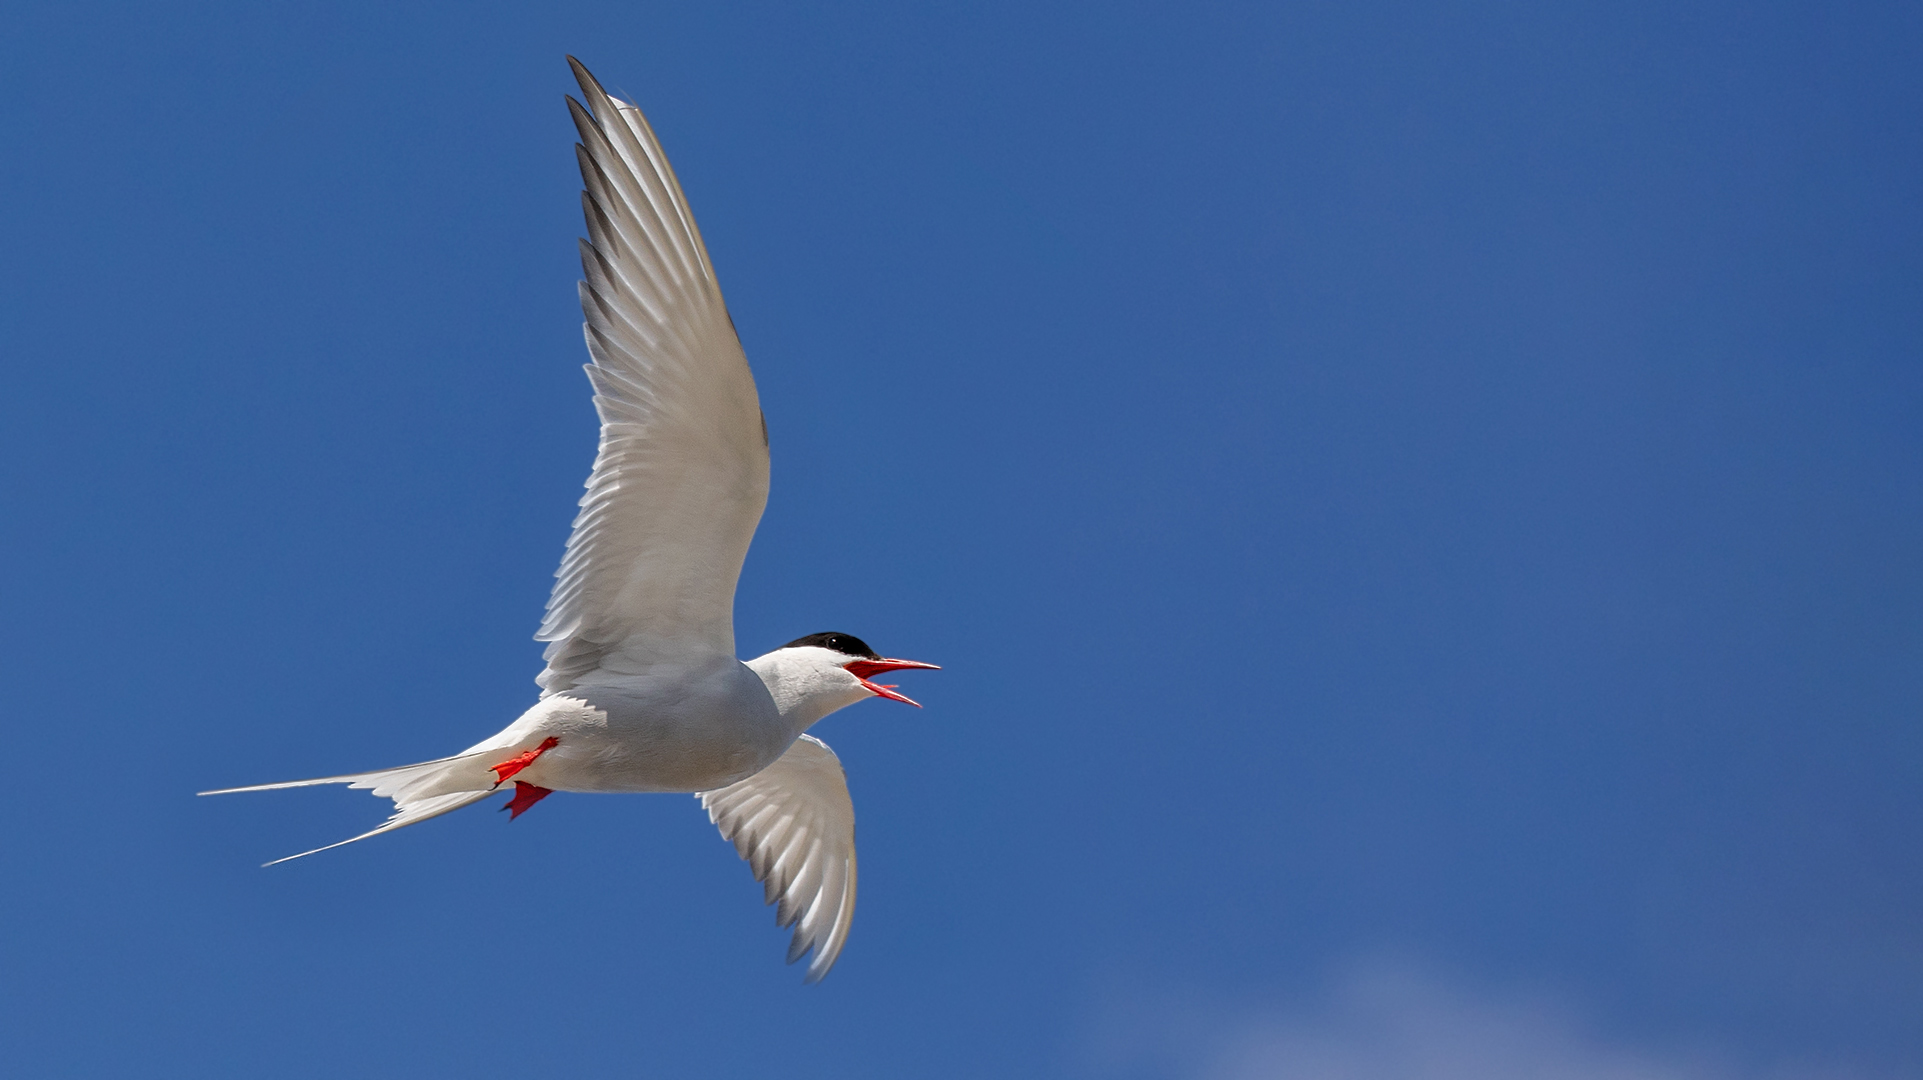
(422, 791)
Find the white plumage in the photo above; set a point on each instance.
(642, 691)
(681, 476)
(794, 823)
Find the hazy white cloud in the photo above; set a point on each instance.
(1383, 1021)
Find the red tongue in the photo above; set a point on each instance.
(862, 669)
(888, 692)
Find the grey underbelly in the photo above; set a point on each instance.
(621, 744)
(660, 759)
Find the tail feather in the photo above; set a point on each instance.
(403, 815)
(425, 790)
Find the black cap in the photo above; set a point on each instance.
(847, 644)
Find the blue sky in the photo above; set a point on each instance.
(1418, 506)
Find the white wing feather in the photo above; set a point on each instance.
(681, 476)
(795, 825)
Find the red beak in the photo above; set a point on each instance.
(862, 669)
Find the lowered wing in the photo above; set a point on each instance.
(795, 825)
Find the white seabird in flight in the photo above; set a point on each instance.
(642, 691)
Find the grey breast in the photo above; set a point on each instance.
(675, 731)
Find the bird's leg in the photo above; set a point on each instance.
(525, 795)
(521, 761)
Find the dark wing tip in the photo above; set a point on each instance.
(582, 75)
(584, 119)
(590, 86)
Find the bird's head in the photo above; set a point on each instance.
(813, 676)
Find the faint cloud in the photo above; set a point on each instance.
(1386, 1021)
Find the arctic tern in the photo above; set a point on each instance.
(642, 691)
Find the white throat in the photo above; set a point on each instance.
(807, 683)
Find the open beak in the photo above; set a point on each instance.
(862, 669)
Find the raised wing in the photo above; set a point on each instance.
(795, 825)
(681, 477)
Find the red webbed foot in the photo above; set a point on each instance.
(525, 795)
